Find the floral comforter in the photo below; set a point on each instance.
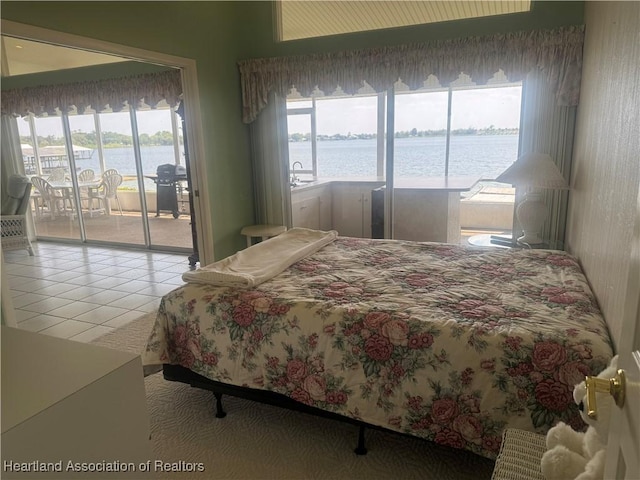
(452, 344)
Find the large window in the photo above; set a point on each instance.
(456, 132)
(460, 131)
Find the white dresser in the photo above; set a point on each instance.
(65, 401)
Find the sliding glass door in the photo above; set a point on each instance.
(108, 191)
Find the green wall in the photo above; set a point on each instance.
(217, 34)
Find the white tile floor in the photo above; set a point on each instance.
(80, 292)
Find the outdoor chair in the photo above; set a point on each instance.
(58, 175)
(107, 190)
(86, 175)
(51, 199)
(110, 171)
(13, 215)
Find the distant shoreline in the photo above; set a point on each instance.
(305, 137)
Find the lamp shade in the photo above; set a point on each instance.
(534, 170)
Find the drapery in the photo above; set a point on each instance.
(557, 54)
(548, 128)
(11, 161)
(113, 93)
(270, 161)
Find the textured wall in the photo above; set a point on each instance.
(606, 167)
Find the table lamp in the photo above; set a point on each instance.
(533, 172)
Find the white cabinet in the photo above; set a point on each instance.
(351, 207)
(311, 207)
(65, 401)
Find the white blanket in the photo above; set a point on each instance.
(265, 260)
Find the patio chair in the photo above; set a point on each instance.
(51, 199)
(86, 175)
(58, 175)
(110, 171)
(13, 215)
(107, 190)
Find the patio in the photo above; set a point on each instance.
(165, 231)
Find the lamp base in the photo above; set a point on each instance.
(529, 239)
(531, 213)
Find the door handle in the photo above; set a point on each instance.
(614, 386)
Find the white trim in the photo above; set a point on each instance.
(202, 205)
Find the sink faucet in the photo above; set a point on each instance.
(294, 179)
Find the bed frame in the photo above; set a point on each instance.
(178, 373)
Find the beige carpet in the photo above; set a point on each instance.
(256, 441)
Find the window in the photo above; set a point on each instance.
(464, 130)
(450, 132)
(297, 20)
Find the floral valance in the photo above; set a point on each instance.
(112, 93)
(557, 53)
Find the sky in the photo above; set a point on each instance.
(476, 108)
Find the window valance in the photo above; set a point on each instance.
(113, 93)
(556, 53)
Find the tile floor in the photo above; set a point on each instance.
(80, 292)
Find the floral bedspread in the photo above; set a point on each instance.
(448, 343)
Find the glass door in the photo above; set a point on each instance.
(108, 191)
(48, 166)
(164, 174)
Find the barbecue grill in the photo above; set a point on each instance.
(167, 181)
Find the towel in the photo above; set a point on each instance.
(260, 262)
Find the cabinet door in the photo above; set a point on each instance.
(352, 211)
(306, 213)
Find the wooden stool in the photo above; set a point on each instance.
(262, 231)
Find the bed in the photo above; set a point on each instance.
(448, 343)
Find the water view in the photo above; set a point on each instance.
(485, 156)
(482, 155)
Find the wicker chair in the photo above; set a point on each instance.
(13, 219)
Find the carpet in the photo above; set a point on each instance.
(256, 441)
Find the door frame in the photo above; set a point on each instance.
(620, 439)
(191, 98)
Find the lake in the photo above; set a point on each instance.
(483, 155)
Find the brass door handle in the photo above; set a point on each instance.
(613, 386)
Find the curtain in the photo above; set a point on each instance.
(270, 159)
(112, 93)
(548, 128)
(10, 150)
(557, 54)
(11, 161)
